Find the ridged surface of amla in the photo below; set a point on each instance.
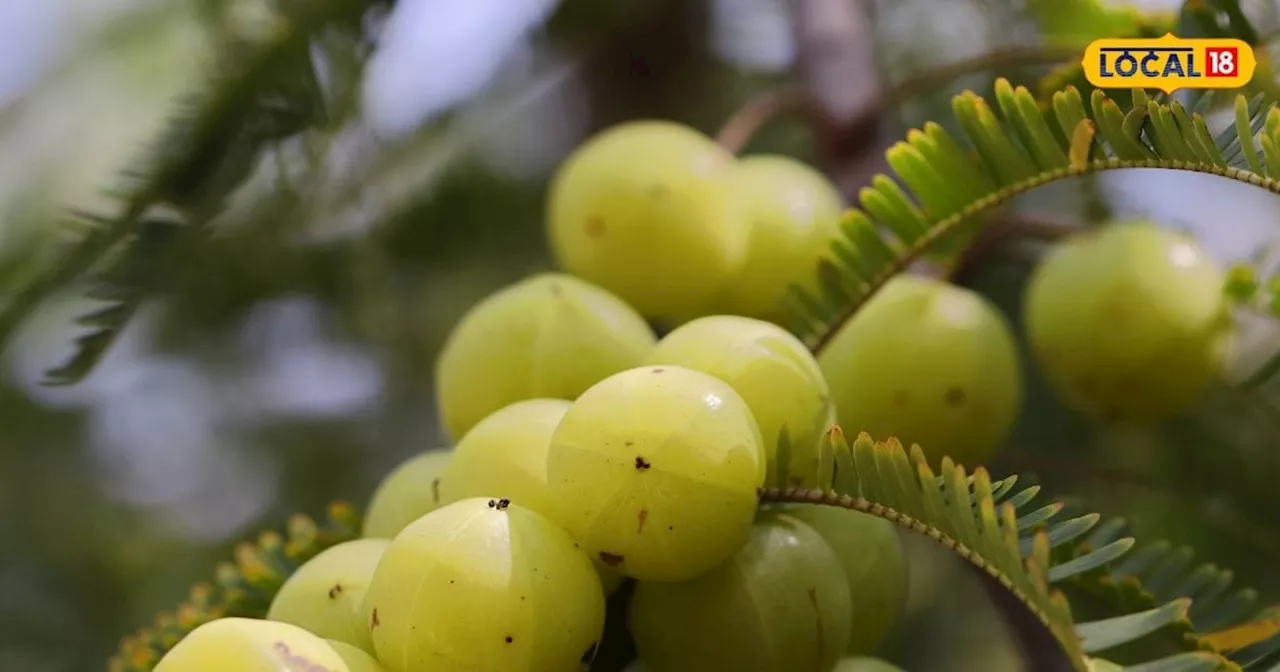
(251, 645)
(549, 336)
(647, 210)
(409, 492)
(774, 373)
(781, 604)
(793, 214)
(325, 595)
(505, 456)
(929, 363)
(656, 470)
(1128, 323)
(875, 563)
(484, 585)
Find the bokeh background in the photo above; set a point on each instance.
(293, 364)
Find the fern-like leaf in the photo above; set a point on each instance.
(943, 182)
(242, 588)
(261, 93)
(1022, 547)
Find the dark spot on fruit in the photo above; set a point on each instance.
(641, 464)
(335, 591)
(955, 396)
(611, 559)
(817, 615)
(657, 370)
(670, 528)
(507, 639)
(375, 623)
(492, 503)
(435, 491)
(642, 517)
(593, 227)
(590, 654)
(503, 504)
(629, 443)
(901, 398)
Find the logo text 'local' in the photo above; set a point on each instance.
(1169, 63)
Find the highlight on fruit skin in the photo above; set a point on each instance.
(793, 214)
(929, 363)
(407, 493)
(657, 471)
(484, 584)
(251, 645)
(774, 373)
(780, 604)
(1128, 323)
(324, 596)
(875, 564)
(548, 336)
(648, 210)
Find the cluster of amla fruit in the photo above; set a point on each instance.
(589, 452)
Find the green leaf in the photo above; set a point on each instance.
(939, 187)
(244, 587)
(258, 94)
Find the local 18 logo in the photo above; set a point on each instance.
(1169, 63)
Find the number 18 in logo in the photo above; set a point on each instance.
(1222, 61)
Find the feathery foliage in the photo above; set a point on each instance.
(1023, 548)
(942, 185)
(261, 91)
(1222, 617)
(242, 588)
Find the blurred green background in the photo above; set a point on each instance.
(289, 362)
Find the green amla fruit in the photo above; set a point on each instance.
(774, 373)
(251, 645)
(550, 336)
(781, 604)
(1128, 323)
(865, 664)
(875, 564)
(409, 492)
(505, 456)
(656, 472)
(484, 585)
(648, 210)
(324, 596)
(928, 363)
(793, 212)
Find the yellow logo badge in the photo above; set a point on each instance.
(1169, 63)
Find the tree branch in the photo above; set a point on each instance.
(841, 78)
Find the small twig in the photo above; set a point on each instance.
(759, 110)
(773, 103)
(1010, 226)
